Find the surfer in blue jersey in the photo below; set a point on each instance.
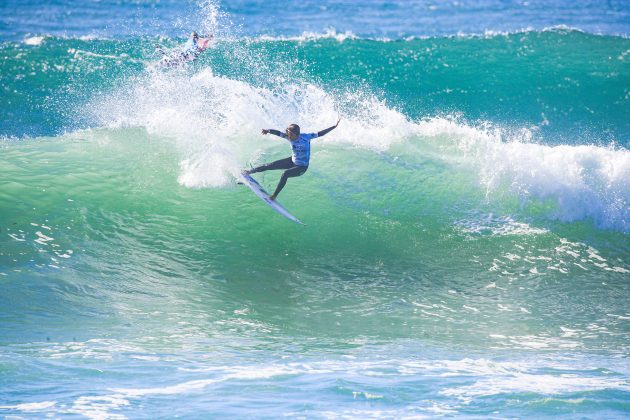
(297, 164)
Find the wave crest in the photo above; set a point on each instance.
(215, 122)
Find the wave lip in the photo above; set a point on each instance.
(570, 182)
(341, 36)
(34, 40)
(583, 182)
(329, 33)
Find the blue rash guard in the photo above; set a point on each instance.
(297, 164)
(301, 148)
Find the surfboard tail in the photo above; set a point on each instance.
(264, 196)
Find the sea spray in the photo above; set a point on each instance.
(582, 182)
(466, 247)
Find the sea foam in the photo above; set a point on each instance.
(579, 181)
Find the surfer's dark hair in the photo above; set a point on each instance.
(294, 128)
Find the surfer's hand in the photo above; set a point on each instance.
(338, 122)
(265, 131)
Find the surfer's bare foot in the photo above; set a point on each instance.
(272, 197)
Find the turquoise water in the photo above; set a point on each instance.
(466, 244)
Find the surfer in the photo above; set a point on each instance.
(194, 46)
(297, 164)
(188, 52)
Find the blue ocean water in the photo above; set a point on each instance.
(466, 248)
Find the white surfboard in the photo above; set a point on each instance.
(260, 192)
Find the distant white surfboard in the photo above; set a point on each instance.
(260, 192)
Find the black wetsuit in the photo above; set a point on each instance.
(301, 155)
(292, 170)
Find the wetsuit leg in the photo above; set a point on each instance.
(294, 171)
(278, 164)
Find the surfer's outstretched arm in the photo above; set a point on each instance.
(274, 132)
(328, 130)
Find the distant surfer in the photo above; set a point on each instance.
(187, 53)
(297, 164)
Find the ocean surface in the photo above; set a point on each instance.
(467, 243)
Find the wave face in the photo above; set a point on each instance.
(466, 249)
